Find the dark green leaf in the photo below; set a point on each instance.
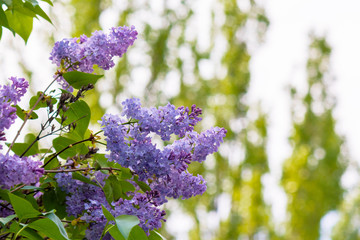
(21, 113)
(82, 178)
(27, 232)
(142, 185)
(4, 194)
(22, 207)
(55, 200)
(125, 223)
(137, 233)
(22, 24)
(107, 214)
(47, 227)
(79, 113)
(127, 187)
(79, 79)
(115, 233)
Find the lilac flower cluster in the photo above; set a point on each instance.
(10, 95)
(130, 145)
(87, 200)
(15, 170)
(82, 53)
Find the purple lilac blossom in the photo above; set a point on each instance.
(10, 95)
(15, 170)
(87, 199)
(81, 54)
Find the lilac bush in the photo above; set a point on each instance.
(85, 193)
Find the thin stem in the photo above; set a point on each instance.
(29, 113)
(38, 136)
(19, 187)
(64, 149)
(82, 169)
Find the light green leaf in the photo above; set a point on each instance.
(58, 223)
(154, 235)
(22, 207)
(79, 79)
(7, 219)
(22, 24)
(47, 227)
(21, 113)
(61, 143)
(19, 148)
(125, 223)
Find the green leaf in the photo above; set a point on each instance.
(154, 235)
(37, 10)
(142, 185)
(19, 148)
(60, 143)
(79, 79)
(53, 164)
(32, 2)
(58, 223)
(27, 232)
(137, 233)
(79, 113)
(7, 219)
(4, 195)
(22, 207)
(47, 227)
(127, 187)
(55, 199)
(107, 214)
(113, 189)
(125, 223)
(22, 24)
(115, 233)
(3, 19)
(48, 1)
(21, 113)
(78, 176)
(32, 188)
(42, 103)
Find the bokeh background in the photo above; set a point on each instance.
(282, 76)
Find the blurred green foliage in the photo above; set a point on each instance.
(311, 176)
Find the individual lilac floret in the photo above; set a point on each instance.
(15, 170)
(81, 54)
